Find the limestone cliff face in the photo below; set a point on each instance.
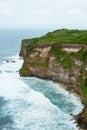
(82, 119)
(41, 62)
(65, 64)
(62, 57)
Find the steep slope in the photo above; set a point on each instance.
(61, 56)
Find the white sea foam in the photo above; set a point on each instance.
(70, 98)
(29, 109)
(51, 88)
(14, 64)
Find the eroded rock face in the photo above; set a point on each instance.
(82, 119)
(42, 63)
(60, 74)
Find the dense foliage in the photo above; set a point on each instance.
(62, 36)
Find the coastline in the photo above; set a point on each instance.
(63, 62)
(65, 88)
(76, 95)
(80, 117)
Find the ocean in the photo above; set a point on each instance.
(30, 103)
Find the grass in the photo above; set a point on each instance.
(63, 57)
(67, 62)
(29, 48)
(84, 89)
(57, 52)
(56, 39)
(62, 36)
(43, 65)
(81, 54)
(24, 69)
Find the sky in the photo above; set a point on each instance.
(43, 14)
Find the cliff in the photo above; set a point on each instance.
(60, 56)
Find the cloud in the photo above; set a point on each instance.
(6, 12)
(41, 12)
(32, 22)
(5, 4)
(75, 11)
(37, 12)
(6, 8)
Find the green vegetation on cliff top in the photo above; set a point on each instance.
(66, 59)
(61, 36)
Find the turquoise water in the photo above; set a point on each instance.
(10, 40)
(30, 103)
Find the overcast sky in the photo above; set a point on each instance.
(43, 14)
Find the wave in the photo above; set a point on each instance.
(27, 108)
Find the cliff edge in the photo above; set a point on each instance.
(62, 57)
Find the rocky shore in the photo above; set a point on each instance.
(82, 119)
(63, 63)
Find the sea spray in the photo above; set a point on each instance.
(28, 106)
